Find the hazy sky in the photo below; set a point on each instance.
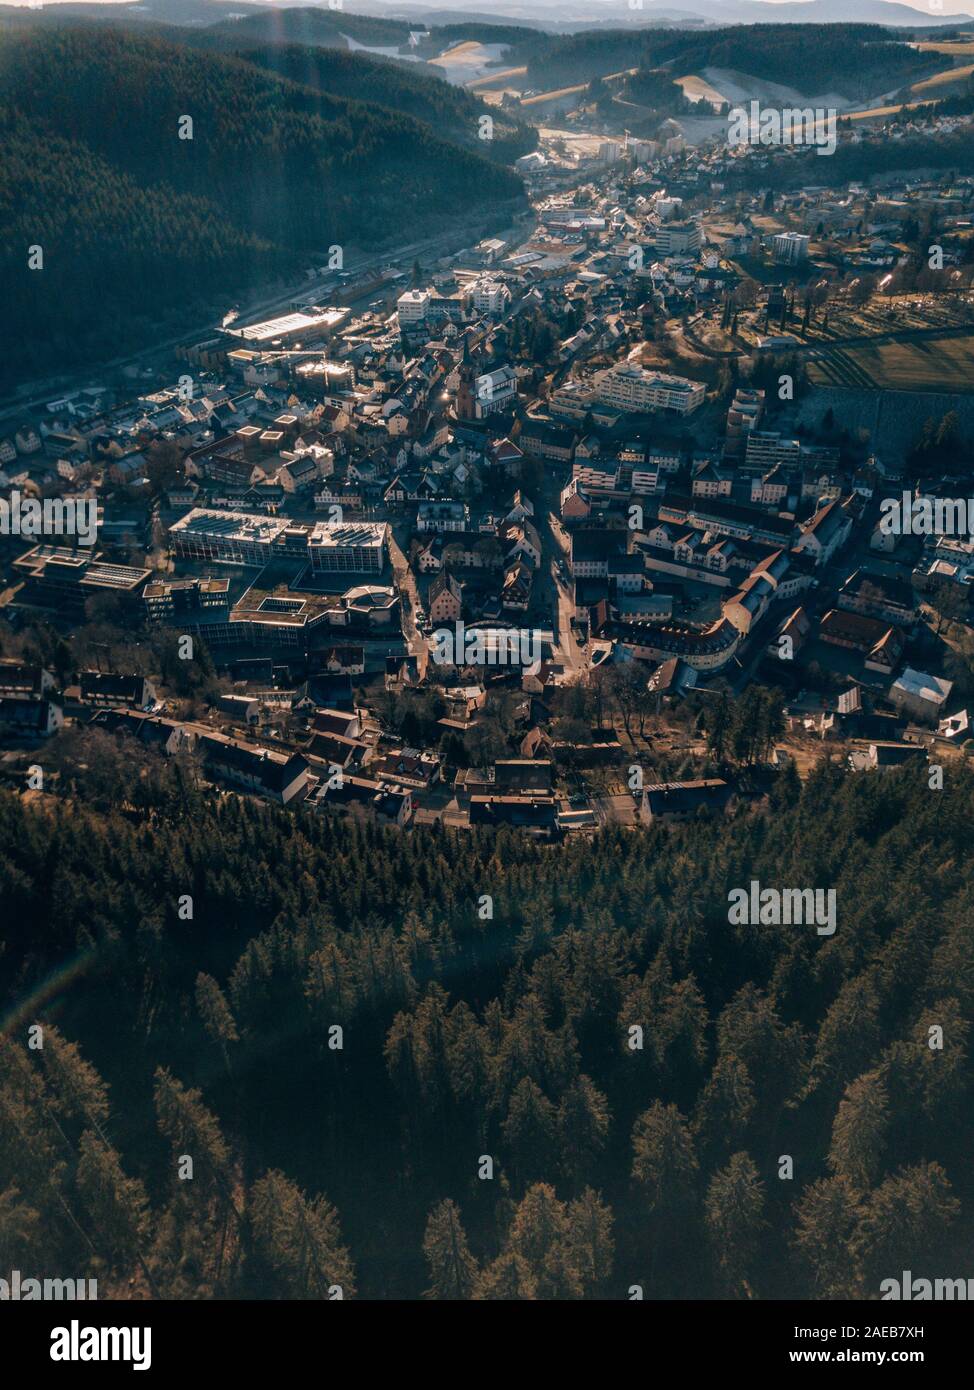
(948, 7)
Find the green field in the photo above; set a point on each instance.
(932, 364)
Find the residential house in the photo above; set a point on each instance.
(445, 599)
(21, 715)
(106, 690)
(667, 802)
(921, 696)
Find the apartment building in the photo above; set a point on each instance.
(239, 538)
(172, 600)
(743, 416)
(790, 248)
(767, 448)
(635, 389)
(678, 238)
(490, 296)
(413, 307)
(357, 547)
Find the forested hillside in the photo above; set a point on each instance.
(191, 963)
(915, 153)
(451, 111)
(332, 28)
(121, 261)
(329, 28)
(852, 59)
(138, 225)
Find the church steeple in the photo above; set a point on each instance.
(466, 406)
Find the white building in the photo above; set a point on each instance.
(350, 547)
(232, 537)
(789, 248)
(495, 391)
(667, 208)
(921, 695)
(634, 389)
(413, 306)
(678, 238)
(491, 296)
(309, 325)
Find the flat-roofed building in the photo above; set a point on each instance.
(308, 325)
(61, 578)
(240, 538)
(635, 389)
(765, 448)
(413, 306)
(743, 416)
(169, 600)
(678, 238)
(348, 547)
(790, 248)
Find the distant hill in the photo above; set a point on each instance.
(857, 60)
(415, 90)
(138, 226)
(511, 16)
(332, 28)
(819, 12)
(318, 28)
(577, 15)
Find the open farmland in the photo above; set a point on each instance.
(945, 363)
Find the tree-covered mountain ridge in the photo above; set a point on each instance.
(156, 177)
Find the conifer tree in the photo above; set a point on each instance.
(453, 1270)
(299, 1240)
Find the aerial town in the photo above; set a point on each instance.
(486, 672)
(490, 539)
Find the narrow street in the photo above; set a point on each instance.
(555, 586)
(406, 583)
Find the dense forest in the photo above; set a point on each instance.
(655, 88)
(321, 27)
(474, 1066)
(853, 163)
(855, 60)
(331, 29)
(451, 111)
(139, 225)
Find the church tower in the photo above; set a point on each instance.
(467, 389)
